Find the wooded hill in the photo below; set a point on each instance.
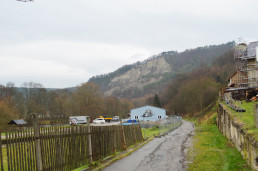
(190, 93)
(152, 75)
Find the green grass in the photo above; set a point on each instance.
(247, 118)
(4, 153)
(212, 151)
(81, 168)
(150, 132)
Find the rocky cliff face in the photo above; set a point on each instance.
(140, 76)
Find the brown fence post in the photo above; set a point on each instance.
(122, 136)
(256, 115)
(114, 132)
(37, 143)
(133, 126)
(1, 152)
(140, 129)
(89, 139)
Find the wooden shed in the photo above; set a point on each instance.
(18, 122)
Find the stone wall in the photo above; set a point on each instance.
(245, 143)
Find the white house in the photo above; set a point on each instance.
(148, 113)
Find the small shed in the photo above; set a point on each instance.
(18, 122)
(148, 113)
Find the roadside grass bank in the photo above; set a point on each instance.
(245, 118)
(211, 150)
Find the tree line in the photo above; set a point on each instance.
(85, 100)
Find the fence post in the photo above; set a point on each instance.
(37, 143)
(140, 128)
(122, 136)
(256, 115)
(135, 137)
(114, 130)
(89, 139)
(159, 128)
(1, 153)
(143, 128)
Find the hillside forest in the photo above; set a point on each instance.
(189, 93)
(185, 93)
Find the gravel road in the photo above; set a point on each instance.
(161, 154)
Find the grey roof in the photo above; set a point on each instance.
(251, 49)
(18, 122)
(148, 107)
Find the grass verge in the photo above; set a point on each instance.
(156, 130)
(246, 118)
(212, 151)
(150, 132)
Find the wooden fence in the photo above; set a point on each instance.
(1, 153)
(64, 148)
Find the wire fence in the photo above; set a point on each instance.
(161, 127)
(233, 104)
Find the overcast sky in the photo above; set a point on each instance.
(62, 43)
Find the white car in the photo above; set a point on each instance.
(99, 120)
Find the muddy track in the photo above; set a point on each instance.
(163, 154)
(187, 143)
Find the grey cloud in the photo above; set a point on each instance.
(99, 37)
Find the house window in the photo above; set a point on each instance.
(136, 117)
(159, 117)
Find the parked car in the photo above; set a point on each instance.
(99, 120)
(106, 118)
(115, 119)
(78, 120)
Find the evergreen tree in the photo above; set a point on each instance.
(156, 101)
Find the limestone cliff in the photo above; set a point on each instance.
(139, 76)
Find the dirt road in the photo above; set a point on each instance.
(161, 154)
